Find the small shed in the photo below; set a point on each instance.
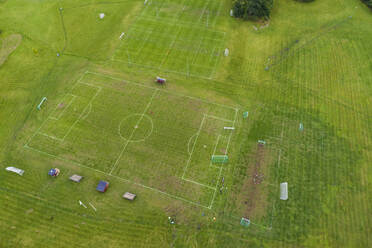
(102, 186)
(129, 196)
(54, 172)
(76, 178)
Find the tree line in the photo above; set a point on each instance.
(252, 9)
(257, 9)
(368, 3)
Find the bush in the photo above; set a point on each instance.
(368, 3)
(252, 8)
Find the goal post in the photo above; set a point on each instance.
(219, 159)
(245, 222)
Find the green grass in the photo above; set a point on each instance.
(101, 88)
(174, 37)
(105, 125)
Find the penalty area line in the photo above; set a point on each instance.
(193, 147)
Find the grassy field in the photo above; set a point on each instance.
(106, 119)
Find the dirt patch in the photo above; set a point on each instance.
(176, 212)
(253, 195)
(258, 176)
(9, 44)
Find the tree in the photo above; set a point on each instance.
(368, 3)
(252, 8)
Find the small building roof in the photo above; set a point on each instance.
(129, 196)
(76, 178)
(53, 172)
(102, 186)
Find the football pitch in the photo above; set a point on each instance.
(177, 37)
(260, 136)
(141, 134)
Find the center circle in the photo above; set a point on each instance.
(136, 127)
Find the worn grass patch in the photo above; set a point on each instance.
(8, 45)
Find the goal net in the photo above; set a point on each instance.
(220, 159)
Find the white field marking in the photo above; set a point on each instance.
(193, 147)
(217, 14)
(211, 56)
(229, 128)
(168, 20)
(178, 14)
(227, 148)
(215, 190)
(143, 44)
(197, 52)
(180, 24)
(140, 140)
(201, 184)
(88, 112)
(134, 130)
(167, 70)
(50, 136)
(277, 178)
(152, 129)
(121, 35)
(215, 66)
(188, 144)
(272, 215)
(119, 178)
(84, 110)
(202, 14)
(166, 91)
(176, 59)
(214, 151)
(43, 123)
(228, 142)
(64, 109)
(92, 206)
(169, 50)
(189, 51)
(219, 46)
(91, 85)
(78, 119)
(120, 43)
(158, 9)
(176, 197)
(218, 118)
(144, 30)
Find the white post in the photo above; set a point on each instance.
(284, 191)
